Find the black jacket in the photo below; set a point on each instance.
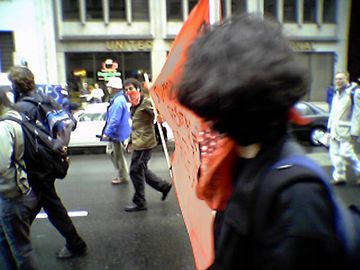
(298, 232)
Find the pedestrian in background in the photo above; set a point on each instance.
(17, 200)
(344, 125)
(243, 78)
(24, 84)
(97, 94)
(117, 129)
(143, 140)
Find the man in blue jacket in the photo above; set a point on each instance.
(117, 130)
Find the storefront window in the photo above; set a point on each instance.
(140, 10)
(94, 10)
(117, 9)
(289, 10)
(70, 10)
(329, 15)
(270, 8)
(309, 11)
(96, 67)
(174, 10)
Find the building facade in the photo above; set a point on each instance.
(90, 40)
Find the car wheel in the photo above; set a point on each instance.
(315, 134)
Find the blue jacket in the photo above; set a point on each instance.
(118, 123)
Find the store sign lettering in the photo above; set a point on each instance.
(129, 45)
(301, 46)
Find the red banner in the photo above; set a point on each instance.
(185, 163)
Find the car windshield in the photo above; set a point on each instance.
(92, 117)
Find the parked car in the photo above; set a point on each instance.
(315, 129)
(91, 122)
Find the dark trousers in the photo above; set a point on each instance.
(57, 214)
(139, 174)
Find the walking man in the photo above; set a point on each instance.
(117, 129)
(344, 125)
(143, 140)
(24, 85)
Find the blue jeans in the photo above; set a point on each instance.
(15, 246)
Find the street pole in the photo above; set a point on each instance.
(214, 11)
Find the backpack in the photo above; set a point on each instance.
(56, 120)
(44, 156)
(347, 220)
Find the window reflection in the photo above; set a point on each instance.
(329, 11)
(309, 11)
(140, 10)
(117, 9)
(94, 10)
(289, 10)
(270, 8)
(70, 10)
(174, 10)
(192, 3)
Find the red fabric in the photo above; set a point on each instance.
(218, 155)
(134, 97)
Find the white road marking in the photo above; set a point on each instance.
(70, 213)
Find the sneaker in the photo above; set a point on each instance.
(65, 253)
(338, 182)
(117, 181)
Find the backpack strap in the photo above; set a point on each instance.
(278, 178)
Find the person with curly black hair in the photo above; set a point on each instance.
(242, 77)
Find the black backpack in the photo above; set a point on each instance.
(347, 219)
(45, 157)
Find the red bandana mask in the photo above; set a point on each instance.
(134, 97)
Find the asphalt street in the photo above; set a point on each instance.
(147, 240)
(152, 239)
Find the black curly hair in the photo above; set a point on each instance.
(243, 76)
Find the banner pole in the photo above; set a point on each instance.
(159, 126)
(214, 11)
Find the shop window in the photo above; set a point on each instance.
(91, 66)
(329, 9)
(140, 10)
(174, 10)
(290, 11)
(117, 9)
(309, 11)
(94, 10)
(70, 10)
(270, 8)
